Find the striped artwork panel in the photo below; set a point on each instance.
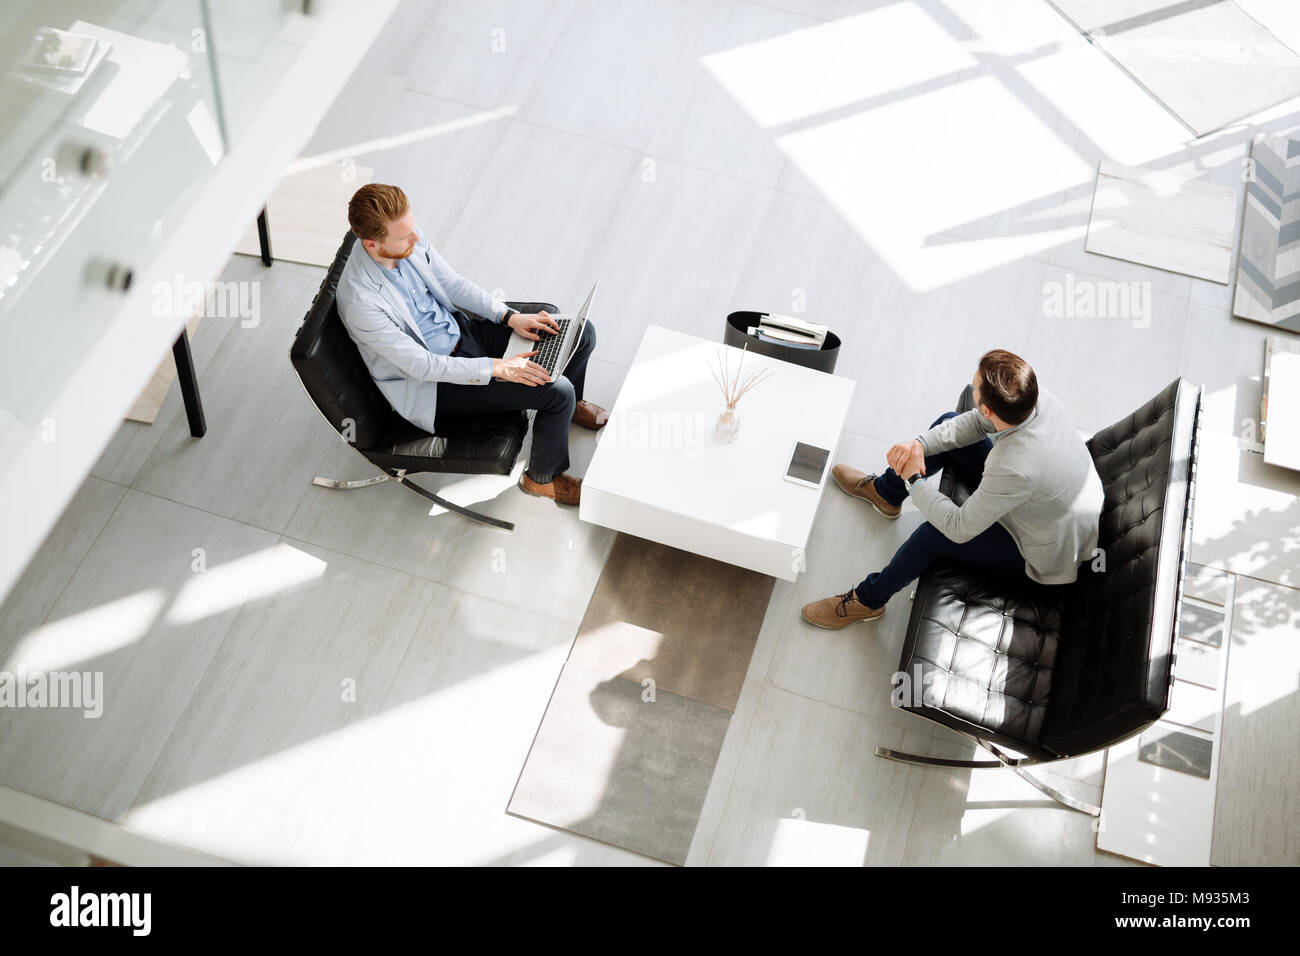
(1268, 263)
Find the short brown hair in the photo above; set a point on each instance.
(1008, 385)
(373, 207)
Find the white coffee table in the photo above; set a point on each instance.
(660, 473)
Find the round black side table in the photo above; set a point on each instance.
(737, 334)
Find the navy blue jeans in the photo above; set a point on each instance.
(993, 548)
(553, 401)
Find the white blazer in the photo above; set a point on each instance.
(389, 339)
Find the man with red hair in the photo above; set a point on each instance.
(401, 303)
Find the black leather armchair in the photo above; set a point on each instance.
(1057, 672)
(334, 375)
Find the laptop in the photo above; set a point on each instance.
(554, 349)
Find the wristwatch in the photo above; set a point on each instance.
(509, 312)
(914, 479)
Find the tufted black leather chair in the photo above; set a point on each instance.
(335, 376)
(1053, 672)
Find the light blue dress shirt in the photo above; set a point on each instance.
(441, 333)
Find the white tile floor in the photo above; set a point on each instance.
(911, 172)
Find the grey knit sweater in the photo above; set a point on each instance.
(1039, 483)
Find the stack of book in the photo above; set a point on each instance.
(789, 331)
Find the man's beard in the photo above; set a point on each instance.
(400, 255)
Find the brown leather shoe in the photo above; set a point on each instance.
(861, 485)
(840, 611)
(563, 488)
(590, 416)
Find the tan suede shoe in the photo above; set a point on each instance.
(562, 488)
(861, 485)
(590, 416)
(840, 611)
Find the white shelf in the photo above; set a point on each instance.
(88, 397)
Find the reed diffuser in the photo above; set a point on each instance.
(733, 389)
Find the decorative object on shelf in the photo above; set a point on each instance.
(54, 51)
(105, 274)
(728, 424)
(60, 61)
(83, 159)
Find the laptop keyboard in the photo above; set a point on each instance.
(548, 348)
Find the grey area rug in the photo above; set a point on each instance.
(631, 736)
(1207, 61)
(1268, 263)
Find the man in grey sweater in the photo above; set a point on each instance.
(1035, 510)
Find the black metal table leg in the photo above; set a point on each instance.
(264, 237)
(189, 384)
